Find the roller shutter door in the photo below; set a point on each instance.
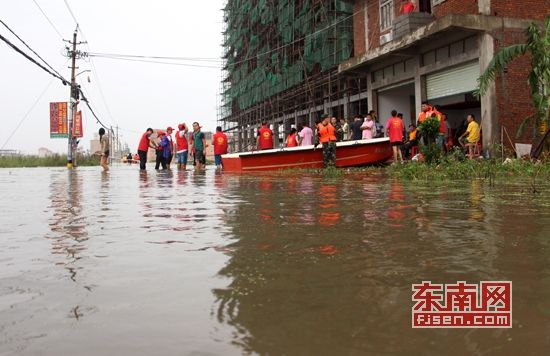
(458, 80)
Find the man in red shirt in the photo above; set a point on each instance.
(219, 141)
(395, 128)
(143, 147)
(265, 137)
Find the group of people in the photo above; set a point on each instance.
(330, 130)
(183, 144)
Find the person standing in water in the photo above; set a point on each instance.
(144, 143)
(219, 140)
(104, 142)
(199, 144)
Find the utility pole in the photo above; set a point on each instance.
(72, 103)
(117, 143)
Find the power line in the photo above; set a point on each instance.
(160, 62)
(71, 12)
(47, 18)
(32, 50)
(84, 99)
(15, 48)
(193, 59)
(28, 113)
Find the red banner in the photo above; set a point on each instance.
(77, 125)
(58, 120)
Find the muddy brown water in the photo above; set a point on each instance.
(179, 263)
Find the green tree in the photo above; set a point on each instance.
(538, 47)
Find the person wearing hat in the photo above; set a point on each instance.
(182, 146)
(162, 149)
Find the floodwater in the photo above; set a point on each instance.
(180, 263)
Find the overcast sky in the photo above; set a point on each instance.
(137, 95)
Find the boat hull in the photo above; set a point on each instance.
(348, 154)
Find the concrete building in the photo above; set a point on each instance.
(44, 152)
(288, 62)
(436, 54)
(95, 146)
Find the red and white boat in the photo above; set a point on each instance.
(348, 154)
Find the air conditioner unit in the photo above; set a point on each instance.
(386, 38)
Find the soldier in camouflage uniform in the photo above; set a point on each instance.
(327, 136)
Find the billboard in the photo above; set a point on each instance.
(77, 125)
(58, 120)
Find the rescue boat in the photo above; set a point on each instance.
(348, 154)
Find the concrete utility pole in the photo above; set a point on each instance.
(72, 103)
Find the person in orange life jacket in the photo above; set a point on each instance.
(169, 131)
(442, 137)
(144, 144)
(182, 146)
(425, 113)
(327, 137)
(264, 141)
(219, 141)
(411, 141)
(395, 128)
(163, 150)
(291, 140)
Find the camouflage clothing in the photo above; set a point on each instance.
(329, 154)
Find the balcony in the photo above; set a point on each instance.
(408, 23)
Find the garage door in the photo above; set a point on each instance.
(458, 80)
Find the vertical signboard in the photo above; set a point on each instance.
(58, 120)
(77, 125)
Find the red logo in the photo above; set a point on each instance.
(462, 305)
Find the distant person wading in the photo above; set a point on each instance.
(104, 141)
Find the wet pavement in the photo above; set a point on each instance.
(185, 263)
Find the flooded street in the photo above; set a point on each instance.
(180, 263)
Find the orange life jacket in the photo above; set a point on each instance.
(326, 133)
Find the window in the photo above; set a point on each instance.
(386, 14)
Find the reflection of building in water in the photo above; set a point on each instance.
(68, 233)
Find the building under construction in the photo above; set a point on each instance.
(281, 65)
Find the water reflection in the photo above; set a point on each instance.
(68, 233)
(337, 278)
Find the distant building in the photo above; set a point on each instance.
(44, 152)
(9, 153)
(95, 146)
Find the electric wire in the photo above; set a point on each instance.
(71, 12)
(161, 62)
(48, 19)
(28, 113)
(32, 50)
(192, 59)
(15, 48)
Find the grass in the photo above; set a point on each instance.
(490, 171)
(50, 161)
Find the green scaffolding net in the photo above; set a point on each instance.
(272, 45)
